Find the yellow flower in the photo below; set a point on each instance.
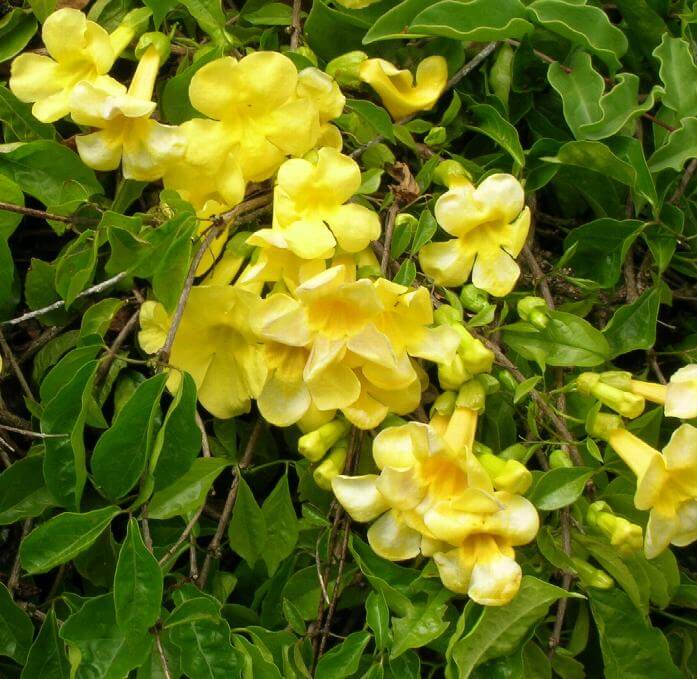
(255, 114)
(323, 91)
(340, 343)
(311, 215)
(679, 396)
(126, 135)
(490, 225)
(214, 344)
(400, 95)
(666, 485)
(432, 496)
(80, 50)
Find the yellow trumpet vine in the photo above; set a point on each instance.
(490, 225)
(432, 496)
(126, 134)
(678, 397)
(397, 89)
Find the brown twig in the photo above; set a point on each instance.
(99, 287)
(471, 65)
(387, 244)
(163, 657)
(684, 181)
(31, 434)
(180, 540)
(113, 350)
(9, 355)
(296, 26)
(41, 214)
(214, 546)
(13, 580)
(539, 276)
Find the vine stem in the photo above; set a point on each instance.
(32, 212)
(471, 65)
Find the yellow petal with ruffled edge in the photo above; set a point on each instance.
(496, 575)
(281, 318)
(400, 487)
(396, 446)
(154, 148)
(681, 394)
(323, 91)
(496, 272)
(365, 412)
(154, 324)
(359, 496)
(448, 263)
(397, 90)
(335, 387)
(391, 538)
(354, 226)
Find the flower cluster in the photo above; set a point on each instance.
(667, 479)
(434, 497)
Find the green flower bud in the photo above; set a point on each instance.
(518, 451)
(591, 576)
(315, 444)
(447, 315)
(472, 298)
(154, 39)
(449, 170)
(306, 52)
(406, 220)
(559, 458)
(506, 379)
(452, 375)
(477, 358)
(534, 310)
(436, 136)
(508, 475)
(444, 404)
(133, 24)
(601, 425)
(471, 395)
(626, 536)
(346, 68)
(625, 403)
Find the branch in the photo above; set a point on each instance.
(684, 181)
(9, 355)
(389, 229)
(99, 287)
(41, 214)
(13, 580)
(296, 27)
(113, 350)
(471, 65)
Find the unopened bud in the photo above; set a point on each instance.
(154, 39)
(472, 298)
(444, 404)
(591, 576)
(305, 51)
(535, 311)
(623, 402)
(508, 475)
(436, 136)
(471, 395)
(601, 425)
(330, 467)
(517, 451)
(623, 534)
(559, 458)
(452, 375)
(450, 172)
(133, 24)
(346, 68)
(316, 443)
(447, 315)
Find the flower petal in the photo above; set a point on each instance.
(281, 318)
(681, 394)
(400, 487)
(283, 403)
(392, 539)
(659, 532)
(334, 387)
(154, 324)
(354, 226)
(359, 496)
(681, 451)
(448, 263)
(395, 446)
(100, 150)
(496, 272)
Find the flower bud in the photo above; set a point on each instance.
(444, 404)
(471, 395)
(625, 403)
(507, 381)
(331, 466)
(623, 534)
(477, 358)
(601, 425)
(316, 443)
(133, 24)
(534, 310)
(508, 475)
(591, 576)
(559, 458)
(447, 315)
(472, 298)
(452, 375)
(450, 171)
(305, 51)
(518, 451)
(345, 69)
(436, 136)
(154, 39)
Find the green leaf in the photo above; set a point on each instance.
(248, 531)
(633, 326)
(102, 650)
(478, 20)
(422, 625)
(677, 68)
(281, 525)
(189, 491)
(47, 658)
(160, 9)
(584, 25)
(97, 319)
(62, 538)
(566, 341)
(17, 28)
(595, 156)
(406, 273)
(16, 630)
(138, 585)
(64, 418)
(643, 22)
(598, 248)
(525, 387)
(19, 121)
(500, 629)
(425, 230)
(42, 8)
(342, 660)
(122, 452)
(391, 25)
(632, 648)
(179, 440)
(377, 617)
(271, 14)
(331, 32)
(491, 123)
(76, 265)
(560, 487)
(678, 149)
(375, 116)
(23, 493)
(209, 16)
(50, 172)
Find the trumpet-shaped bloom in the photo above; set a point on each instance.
(432, 496)
(666, 485)
(679, 396)
(80, 51)
(311, 215)
(214, 344)
(126, 133)
(256, 114)
(336, 343)
(490, 225)
(397, 89)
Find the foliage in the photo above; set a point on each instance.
(170, 433)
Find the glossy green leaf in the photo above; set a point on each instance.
(76, 266)
(189, 491)
(122, 452)
(209, 16)
(677, 68)
(680, 147)
(47, 657)
(377, 617)
(633, 326)
(491, 123)
(376, 116)
(62, 538)
(18, 120)
(558, 488)
(23, 492)
(595, 156)
(16, 630)
(281, 525)
(391, 25)
(17, 28)
(248, 531)
(422, 625)
(137, 585)
(342, 660)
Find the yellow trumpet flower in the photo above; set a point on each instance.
(397, 89)
(127, 135)
(432, 496)
(678, 397)
(80, 51)
(214, 344)
(490, 225)
(666, 483)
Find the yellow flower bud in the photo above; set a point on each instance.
(626, 403)
(332, 465)
(626, 536)
(591, 576)
(316, 443)
(508, 475)
(534, 310)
